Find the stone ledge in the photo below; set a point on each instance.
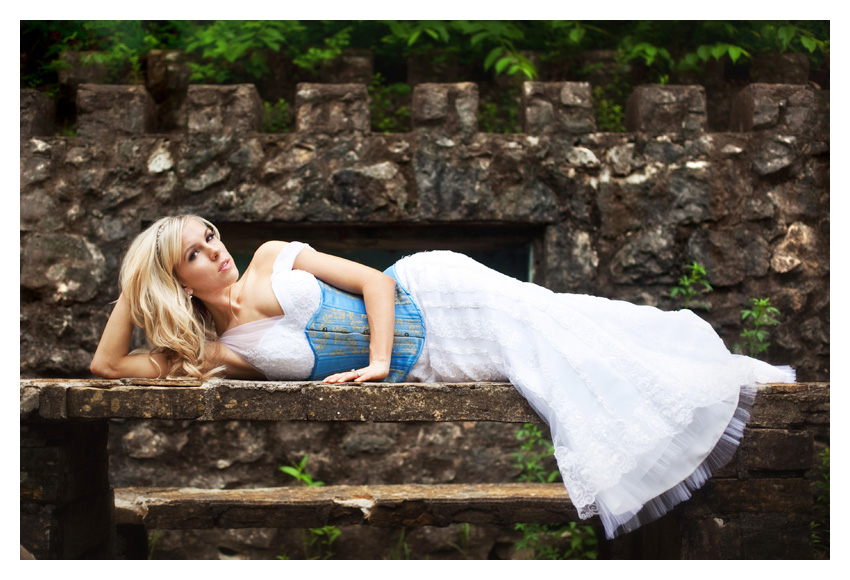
(272, 401)
(780, 406)
(377, 505)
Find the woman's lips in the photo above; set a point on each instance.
(224, 266)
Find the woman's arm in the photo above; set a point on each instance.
(378, 291)
(112, 359)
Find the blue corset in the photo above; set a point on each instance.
(339, 333)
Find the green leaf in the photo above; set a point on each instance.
(809, 42)
(786, 35)
(289, 470)
(491, 57)
(735, 53)
(719, 50)
(503, 62)
(704, 52)
(576, 34)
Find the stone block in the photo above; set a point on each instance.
(557, 109)
(778, 450)
(677, 111)
(332, 109)
(38, 114)
(167, 80)
(445, 111)
(787, 109)
(166, 73)
(64, 267)
(114, 111)
(224, 109)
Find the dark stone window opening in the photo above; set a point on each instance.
(507, 248)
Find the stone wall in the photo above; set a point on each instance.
(613, 214)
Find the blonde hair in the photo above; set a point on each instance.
(175, 324)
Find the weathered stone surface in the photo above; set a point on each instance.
(66, 499)
(311, 507)
(800, 248)
(730, 257)
(224, 109)
(647, 256)
(778, 449)
(37, 114)
(110, 111)
(557, 109)
(610, 191)
(266, 401)
(446, 113)
(332, 109)
(676, 111)
(63, 267)
(786, 109)
(167, 80)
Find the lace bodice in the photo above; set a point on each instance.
(277, 346)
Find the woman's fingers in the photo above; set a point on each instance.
(370, 373)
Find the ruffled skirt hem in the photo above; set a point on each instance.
(720, 455)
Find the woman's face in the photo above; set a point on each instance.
(205, 265)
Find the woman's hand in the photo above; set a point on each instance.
(376, 371)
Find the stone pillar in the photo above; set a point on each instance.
(447, 112)
(790, 121)
(66, 500)
(167, 80)
(224, 109)
(677, 111)
(332, 109)
(114, 111)
(557, 109)
(38, 114)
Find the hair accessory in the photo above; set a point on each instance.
(158, 236)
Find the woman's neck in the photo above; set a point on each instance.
(224, 308)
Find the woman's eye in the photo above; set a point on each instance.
(193, 255)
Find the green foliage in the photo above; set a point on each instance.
(152, 540)
(546, 541)
(464, 536)
(224, 43)
(315, 56)
(299, 472)
(388, 114)
(688, 286)
(276, 117)
(317, 543)
(534, 449)
(761, 314)
(401, 550)
(610, 116)
(554, 542)
(820, 509)
(500, 116)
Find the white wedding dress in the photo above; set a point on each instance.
(642, 404)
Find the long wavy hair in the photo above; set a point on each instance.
(175, 324)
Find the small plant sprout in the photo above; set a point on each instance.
(692, 285)
(761, 315)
